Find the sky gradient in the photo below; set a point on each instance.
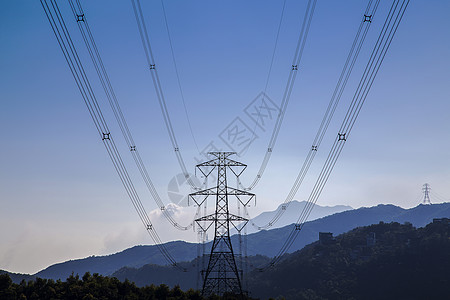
(60, 197)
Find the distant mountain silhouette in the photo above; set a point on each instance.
(141, 255)
(291, 214)
(266, 243)
(17, 277)
(133, 257)
(349, 265)
(382, 261)
(154, 274)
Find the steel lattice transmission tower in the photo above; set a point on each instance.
(222, 275)
(426, 194)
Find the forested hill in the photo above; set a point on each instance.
(17, 277)
(136, 256)
(89, 287)
(383, 261)
(265, 242)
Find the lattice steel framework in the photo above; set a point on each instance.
(222, 275)
(426, 194)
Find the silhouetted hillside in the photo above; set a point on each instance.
(132, 257)
(266, 242)
(89, 287)
(17, 277)
(422, 215)
(383, 261)
(153, 274)
(290, 215)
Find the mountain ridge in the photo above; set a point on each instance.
(380, 261)
(107, 264)
(290, 215)
(18, 277)
(261, 243)
(358, 250)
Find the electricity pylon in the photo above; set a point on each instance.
(426, 193)
(222, 275)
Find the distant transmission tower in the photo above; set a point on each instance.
(426, 194)
(222, 275)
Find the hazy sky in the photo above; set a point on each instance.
(60, 197)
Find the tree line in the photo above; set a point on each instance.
(93, 287)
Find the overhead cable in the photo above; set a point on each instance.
(377, 56)
(88, 38)
(153, 68)
(67, 46)
(178, 76)
(287, 91)
(264, 95)
(332, 105)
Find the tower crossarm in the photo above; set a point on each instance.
(238, 222)
(211, 217)
(222, 275)
(221, 160)
(216, 162)
(200, 197)
(243, 196)
(232, 217)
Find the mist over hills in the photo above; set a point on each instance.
(141, 255)
(265, 243)
(136, 256)
(337, 224)
(190, 278)
(380, 261)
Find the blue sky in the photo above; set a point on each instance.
(59, 193)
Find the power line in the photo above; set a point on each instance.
(381, 47)
(143, 33)
(77, 70)
(347, 69)
(178, 76)
(440, 197)
(67, 46)
(222, 274)
(287, 91)
(159, 91)
(88, 38)
(426, 194)
(264, 95)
